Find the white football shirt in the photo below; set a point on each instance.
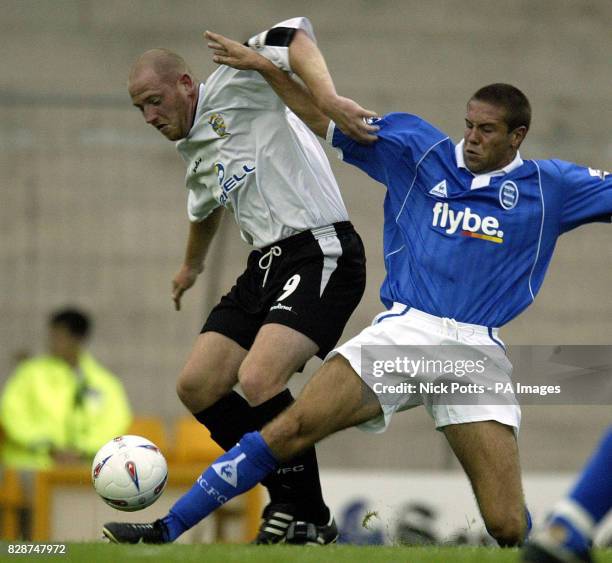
(248, 152)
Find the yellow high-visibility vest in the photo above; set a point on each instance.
(47, 404)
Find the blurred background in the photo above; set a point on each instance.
(93, 204)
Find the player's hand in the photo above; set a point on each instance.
(351, 118)
(231, 53)
(182, 282)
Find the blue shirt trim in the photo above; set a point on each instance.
(394, 314)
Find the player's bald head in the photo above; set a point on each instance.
(163, 88)
(165, 64)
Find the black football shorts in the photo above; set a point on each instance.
(311, 282)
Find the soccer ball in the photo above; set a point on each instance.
(129, 473)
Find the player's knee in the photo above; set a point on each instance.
(508, 529)
(194, 392)
(186, 387)
(257, 386)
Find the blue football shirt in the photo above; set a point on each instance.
(474, 248)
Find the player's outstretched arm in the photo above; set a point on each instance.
(294, 95)
(198, 243)
(347, 114)
(308, 63)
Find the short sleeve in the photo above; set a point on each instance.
(588, 196)
(402, 138)
(274, 43)
(200, 204)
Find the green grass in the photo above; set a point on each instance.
(94, 552)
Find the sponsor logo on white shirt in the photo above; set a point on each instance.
(229, 183)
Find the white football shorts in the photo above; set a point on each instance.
(437, 340)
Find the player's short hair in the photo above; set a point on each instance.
(75, 321)
(168, 65)
(516, 104)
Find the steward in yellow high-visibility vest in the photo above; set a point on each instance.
(62, 404)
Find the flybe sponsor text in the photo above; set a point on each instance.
(466, 221)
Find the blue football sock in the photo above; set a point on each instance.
(234, 473)
(593, 491)
(588, 502)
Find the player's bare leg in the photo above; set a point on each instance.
(210, 371)
(277, 353)
(205, 387)
(216, 363)
(335, 398)
(489, 455)
(297, 510)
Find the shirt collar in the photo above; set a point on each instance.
(200, 100)
(483, 180)
(198, 111)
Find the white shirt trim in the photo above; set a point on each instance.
(416, 173)
(329, 136)
(537, 256)
(483, 180)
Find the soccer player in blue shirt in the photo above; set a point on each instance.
(469, 232)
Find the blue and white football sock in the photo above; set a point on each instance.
(589, 501)
(234, 473)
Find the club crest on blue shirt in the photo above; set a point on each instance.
(217, 122)
(508, 195)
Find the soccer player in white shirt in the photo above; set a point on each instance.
(247, 152)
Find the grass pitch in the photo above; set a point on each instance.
(102, 552)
